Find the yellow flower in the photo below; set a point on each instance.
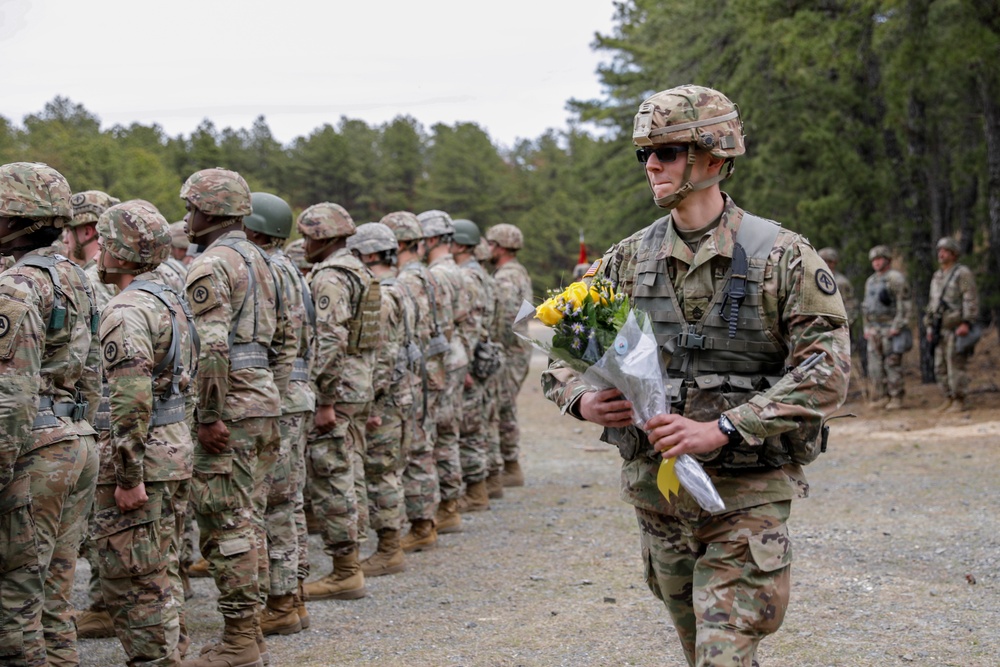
(548, 313)
(576, 293)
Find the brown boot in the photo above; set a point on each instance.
(944, 406)
(476, 498)
(238, 647)
(957, 405)
(279, 616)
(448, 519)
(388, 559)
(512, 474)
(258, 635)
(422, 536)
(300, 606)
(94, 624)
(199, 569)
(895, 403)
(346, 582)
(494, 486)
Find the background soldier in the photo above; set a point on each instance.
(724, 577)
(491, 413)
(951, 312)
(296, 251)
(885, 315)
(348, 307)
(513, 289)
(234, 300)
(81, 239)
(173, 270)
(453, 300)
(50, 370)
(147, 339)
(390, 425)
(420, 481)
(268, 226)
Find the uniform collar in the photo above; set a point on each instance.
(720, 242)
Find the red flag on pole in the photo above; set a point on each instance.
(583, 250)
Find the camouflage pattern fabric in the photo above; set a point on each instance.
(21, 641)
(885, 368)
(218, 192)
(491, 394)
(173, 273)
(102, 291)
(961, 301)
(473, 444)
(513, 288)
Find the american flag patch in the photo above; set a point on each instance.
(592, 271)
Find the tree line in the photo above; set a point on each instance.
(867, 121)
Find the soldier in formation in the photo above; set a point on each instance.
(886, 312)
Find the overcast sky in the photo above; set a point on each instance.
(509, 66)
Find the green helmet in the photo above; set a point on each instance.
(325, 221)
(949, 243)
(404, 225)
(89, 205)
(134, 231)
(35, 191)
(372, 237)
(879, 251)
(271, 215)
(218, 192)
(506, 236)
(466, 232)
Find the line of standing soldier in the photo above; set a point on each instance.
(226, 384)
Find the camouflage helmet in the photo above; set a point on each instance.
(372, 237)
(325, 221)
(506, 236)
(217, 191)
(435, 223)
(35, 191)
(271, 215)
(879, 251)
(949, 243)
(691, 115)
(482, 251)
(404, 225)
(134, 231)
(89, 205)
(466, 232)
(296, 251)
(829, 255)
(178, 235)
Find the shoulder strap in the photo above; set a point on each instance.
(172, 357)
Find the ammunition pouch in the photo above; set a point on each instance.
(247, 355)
(300, 370)
(102, 420)
(437, 346)
(901, 342)
(486, 359)
(966, 344)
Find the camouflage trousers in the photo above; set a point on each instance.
(420, 482)
(950, 367)
(334, 462)
(385, 459)
(446, 450)
(229, 496)
(21, 580)
(515, 370)
(885, 369)
(285, 494)
(491, 423)
(724, 579)
(473, 446)
(63, 477)
(301, 530)
(140, 570)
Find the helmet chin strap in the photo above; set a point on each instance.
(313, 256)
(671, 201)
(104, 271)
(30, 229)
(226, 223)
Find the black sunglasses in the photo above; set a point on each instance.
(663, 153)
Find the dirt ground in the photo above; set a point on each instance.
(897, 553)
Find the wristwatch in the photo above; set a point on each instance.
(729, 430)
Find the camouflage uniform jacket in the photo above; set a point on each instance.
(173, 273)
(136, 337)
(482, 300)
(957, 289)
(102, 291)
(794, 311)
(392, 378)
(294, 296)
(887, 303)
(339, 285)
(37, 362)
(513, 289)
(464, 335)
(218, 289)
(415, 281)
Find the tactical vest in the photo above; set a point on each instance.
(879, 305)
(300, 367)
(48, 410)
(252, 354)
(363, 327)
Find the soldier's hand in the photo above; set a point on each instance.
(607, 408)
(893, 333)
(326, 418)
(214, 437)
(374, 421)
(469, 381)
(673, 435)
(131, 499)
(962, 329)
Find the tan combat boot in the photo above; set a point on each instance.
(346, 582)
(279, 616)
(957, 405)
(494, 486)
(448, 520)
(476, 498)
(199, 569)
(388, 558)
(423, 535)
(300, 605)
(512, 474)
(238, 647)
(895, 403)
(944, 406)
(94, 624)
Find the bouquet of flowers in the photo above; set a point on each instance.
(598, 334)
